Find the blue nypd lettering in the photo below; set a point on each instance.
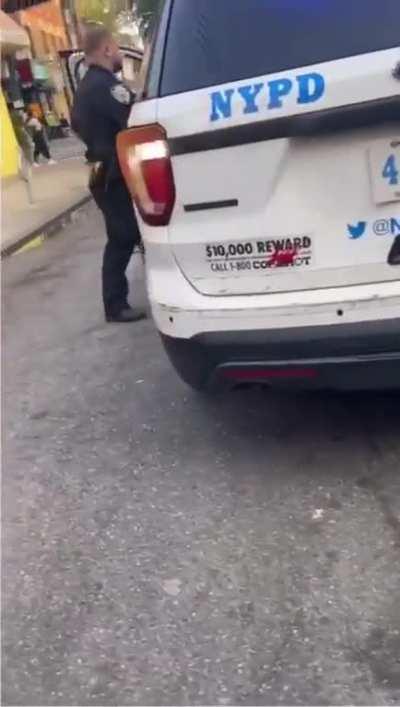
(268, 95)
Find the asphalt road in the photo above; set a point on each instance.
(162, 548)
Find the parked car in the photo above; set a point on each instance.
(264, 162)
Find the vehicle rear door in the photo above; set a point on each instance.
(283, 120)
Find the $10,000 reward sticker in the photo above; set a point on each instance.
(260, 256)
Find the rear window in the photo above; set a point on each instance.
(211, 42)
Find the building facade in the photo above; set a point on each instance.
(41, 74)
(12, 40)
(32, 36)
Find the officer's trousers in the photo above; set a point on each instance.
(122, 235)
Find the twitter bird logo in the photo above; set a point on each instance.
(358, 230)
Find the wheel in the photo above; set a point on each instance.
(190, 361)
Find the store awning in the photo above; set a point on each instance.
(12, 36)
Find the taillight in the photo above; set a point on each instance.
(144, 158)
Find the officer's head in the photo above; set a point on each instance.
(100, 47)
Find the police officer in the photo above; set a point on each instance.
(101, 109)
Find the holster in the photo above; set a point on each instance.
(97, 177)
(98, 183)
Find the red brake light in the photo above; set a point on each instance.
(254, 374)
(144, 158)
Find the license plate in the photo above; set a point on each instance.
(384, 162)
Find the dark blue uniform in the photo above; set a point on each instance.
(101, 109)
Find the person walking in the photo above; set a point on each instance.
(101, 109)
(36, 131)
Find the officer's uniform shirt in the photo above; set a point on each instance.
(101, 109)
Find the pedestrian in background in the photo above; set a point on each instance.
(36, 131)
(101, 109)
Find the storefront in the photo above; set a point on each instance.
(47, 31)
(12, 39)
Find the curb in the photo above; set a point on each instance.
(47, 229)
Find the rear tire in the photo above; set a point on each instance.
(190, 361)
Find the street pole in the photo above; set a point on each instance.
(26, 173)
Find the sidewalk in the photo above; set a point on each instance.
(57, 190)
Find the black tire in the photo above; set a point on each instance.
(190, 361)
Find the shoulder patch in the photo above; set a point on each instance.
(121, 94)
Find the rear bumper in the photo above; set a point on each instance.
(358, 356)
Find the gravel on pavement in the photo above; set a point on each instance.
(165, 548)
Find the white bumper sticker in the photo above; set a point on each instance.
(260, 257)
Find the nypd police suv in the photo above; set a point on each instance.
(264, 162)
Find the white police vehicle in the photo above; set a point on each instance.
(264, 161)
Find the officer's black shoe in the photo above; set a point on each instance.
(126, 315)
